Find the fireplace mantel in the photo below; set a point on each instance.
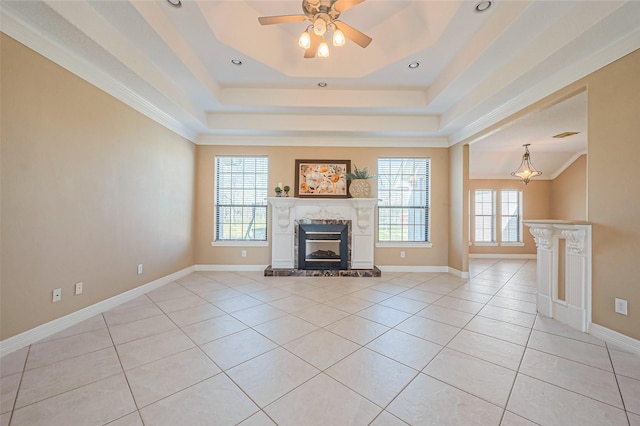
(286, 210)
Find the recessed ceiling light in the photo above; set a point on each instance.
(483, 5)
(414, 65)
(175, 3)
(322, 84)
(237, 62)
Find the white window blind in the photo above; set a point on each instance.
(403, 190)
(241, 189)
(485, 216)
(511, 212)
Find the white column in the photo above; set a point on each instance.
(362, 238)
(282, 232)
(575, 309)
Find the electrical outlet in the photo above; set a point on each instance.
(244, 253)
(140, 269)
(621, 306)
(78, 288)
(402, 254)
(57, 295)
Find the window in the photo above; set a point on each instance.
(511, 201)
(240, 199)
(485, 216)
(403, 190)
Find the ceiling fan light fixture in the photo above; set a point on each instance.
(319, 26)
(323, 49)
(304, 40)
(323, 16)
(338, 38)
(526, 171)
(175, 3)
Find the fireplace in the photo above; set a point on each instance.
(323, 244)
(289, 213)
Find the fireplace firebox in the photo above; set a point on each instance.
(322, 245)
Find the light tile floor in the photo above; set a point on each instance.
(222, 348)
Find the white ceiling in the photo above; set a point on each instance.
(491, 157)
(476, 69)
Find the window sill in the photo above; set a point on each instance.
(407, 244)
(512, 244)
(483, 244)
(239, 243)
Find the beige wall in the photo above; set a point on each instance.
(612, 191)
(568, 195)
(459, 207)
(613, 204)
(90, 188)
(535, 205)
(281, 169)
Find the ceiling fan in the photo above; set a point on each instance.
(323, 15)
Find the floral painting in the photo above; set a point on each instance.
(322, 178)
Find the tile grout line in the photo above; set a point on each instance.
(439, 352)
(15, 401)
(222, 371)
(615, 375)
(126, 378)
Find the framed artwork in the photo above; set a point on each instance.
(322, 178)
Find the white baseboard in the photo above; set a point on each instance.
(610, 336)
(402, 268)
(230, 268)
(459, 274)
(29, 337)
(503, 256)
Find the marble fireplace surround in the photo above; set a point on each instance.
(287, 210)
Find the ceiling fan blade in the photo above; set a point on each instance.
(342, 5)
(313, 48)
(282, 19)
(354, 35)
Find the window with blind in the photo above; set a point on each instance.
(485, 216)
(403, 190)
(241, 189)
(511, 212)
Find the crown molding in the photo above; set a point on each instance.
(557, 81)
(16, 28)
(566, 165)
(307, 139)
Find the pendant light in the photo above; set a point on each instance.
(526, 171)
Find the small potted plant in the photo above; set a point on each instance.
(278, 191)
(359, 187)
(286, 190)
